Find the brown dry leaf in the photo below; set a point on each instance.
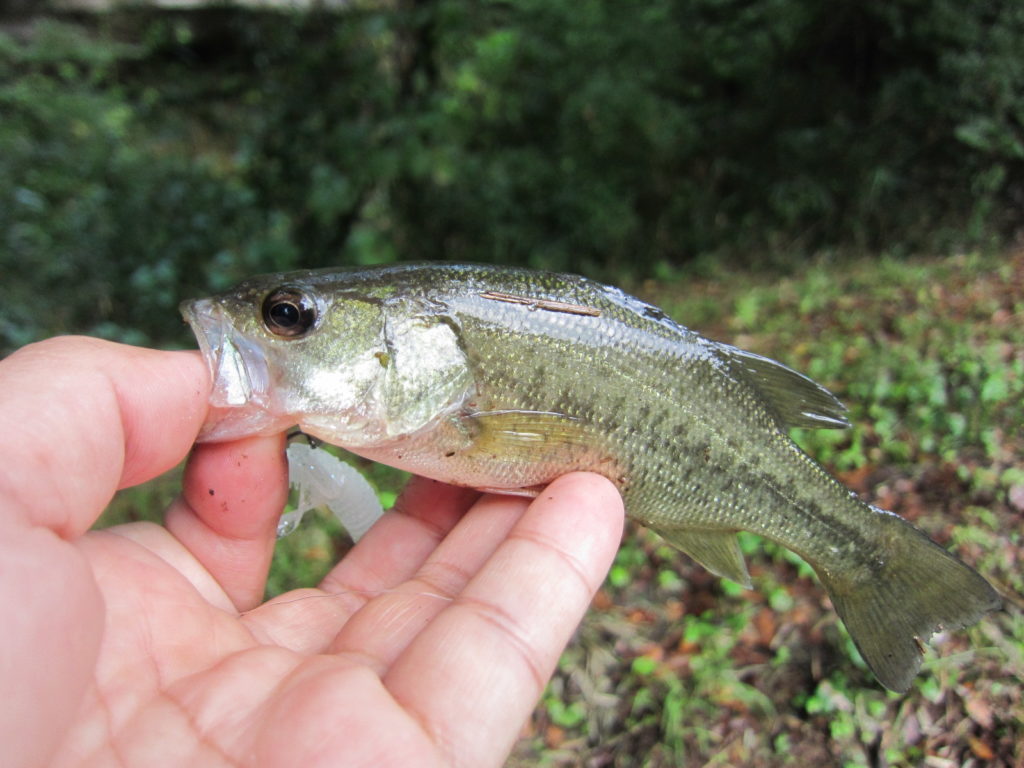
(980, 748)
(886, 499)
(911, 729)
(801, 613)
(766, 626)
(641, 616)
(856, 479)
(674, 610)
(687, 647)
(980, 711)
(913, 507)
(554, 736)
(653, 651)
(602, 601)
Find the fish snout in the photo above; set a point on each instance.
(239, 375)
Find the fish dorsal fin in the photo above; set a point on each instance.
(798, 401)
(718, 551)
(521, 435)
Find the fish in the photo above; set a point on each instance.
(503, 379)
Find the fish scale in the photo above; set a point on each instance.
(503, 379)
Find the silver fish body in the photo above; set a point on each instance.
(503, 379)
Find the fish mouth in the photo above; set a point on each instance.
(240, 379)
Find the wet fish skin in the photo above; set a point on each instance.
(504, 379)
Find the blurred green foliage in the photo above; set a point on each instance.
(105, 226)
(149, 156)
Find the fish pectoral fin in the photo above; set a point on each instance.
(520, 434)
(718, 551)
(798, 401)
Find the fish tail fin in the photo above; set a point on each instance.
(914, 589)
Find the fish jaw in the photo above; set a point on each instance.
(240, 398)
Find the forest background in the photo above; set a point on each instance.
(838, 185)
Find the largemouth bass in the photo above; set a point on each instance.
(503, 379)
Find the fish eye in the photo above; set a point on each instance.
(288, 312)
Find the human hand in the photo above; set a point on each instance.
(146, 645)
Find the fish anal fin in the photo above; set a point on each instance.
(718, 551)
(916, 589)
(798, 401)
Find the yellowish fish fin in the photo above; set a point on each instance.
(798, 401)
(522, 435)
(916, 589)
(718, 551)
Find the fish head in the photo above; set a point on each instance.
(283, 352)
(351, 361)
